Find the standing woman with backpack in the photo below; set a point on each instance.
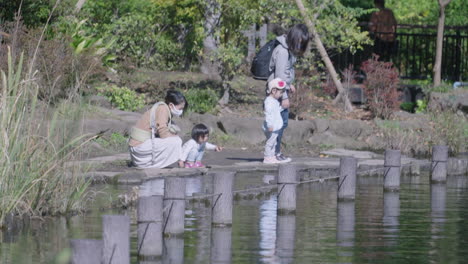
(282, 66)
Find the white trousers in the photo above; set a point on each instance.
(157, 152)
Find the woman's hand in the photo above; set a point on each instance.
(218, 149)
(285, 103)
(181, 164)
(292, 88)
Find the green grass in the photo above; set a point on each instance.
(35, 149)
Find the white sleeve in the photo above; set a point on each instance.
(269, 109)
(186, 148)
(210, 146)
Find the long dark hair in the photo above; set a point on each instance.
(297, 39)
(175, 97)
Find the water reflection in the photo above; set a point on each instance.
(173, 250)
(391, 204)
(267, 225)
(438, 197)
(221, 245)
(285, 237)
(345, 230)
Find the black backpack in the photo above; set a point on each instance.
(261, 62)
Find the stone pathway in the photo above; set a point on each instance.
(114, 169)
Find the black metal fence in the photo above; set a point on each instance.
(414, 51)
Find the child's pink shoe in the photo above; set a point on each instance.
(198, 164)
(190, 165)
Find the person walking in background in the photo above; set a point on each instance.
(273, 120)
(382, 27)
(282, 66)
(193, 150)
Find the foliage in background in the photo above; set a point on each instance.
(60, 72)
(381, 86)
(34, 176)
(407, 106)
(122, 97)
(440, 128)
(113, 142)
(421, 106)
(201, 100)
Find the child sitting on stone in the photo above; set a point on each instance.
(273, 120)
(193, 150)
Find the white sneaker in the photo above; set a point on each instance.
(282, 158)
(271, 160)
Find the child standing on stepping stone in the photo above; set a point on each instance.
(273, 120)
(193, 150)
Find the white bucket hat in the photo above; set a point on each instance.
(277, 83)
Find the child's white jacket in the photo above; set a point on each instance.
(191, 144)
(272, 114)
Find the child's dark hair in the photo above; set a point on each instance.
(176, 98)
(298, 39)
(199, 130)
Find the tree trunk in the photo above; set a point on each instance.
(225, 99)
(250, 34)
(79, 5)
(210, 45)
(440, 42)
(323, 53)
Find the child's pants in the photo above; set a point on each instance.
(270, 143)
(196, 154)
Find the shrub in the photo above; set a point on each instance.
(407, 106)
(122, 97)
(201, 100)
(381, 86)
(58, 71)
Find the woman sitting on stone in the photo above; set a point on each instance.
(154, 142)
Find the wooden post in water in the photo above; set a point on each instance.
(174, 206)
(439, 163)
(347, 182)
(150, 224)
(222, 200)
(392, 172)
(287, 181)
(221, 245)
(116, 236)
(285, 237)
(86, 251)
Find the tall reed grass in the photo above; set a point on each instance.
(35, 146)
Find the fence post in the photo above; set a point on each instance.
(287, 181)
(222, 200)
(439, 163)
(87, 251)
(347, 182)
(150, 211)
(392, 171)
(174, 206)
(116, 236)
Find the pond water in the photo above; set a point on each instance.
(422, 223)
